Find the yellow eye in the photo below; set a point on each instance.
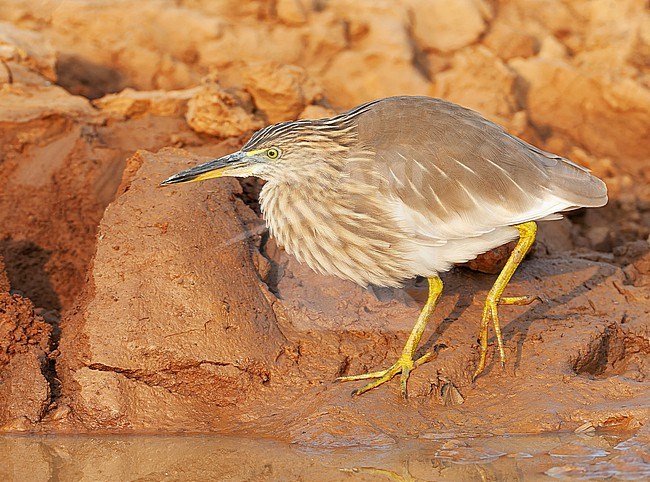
(273, 153)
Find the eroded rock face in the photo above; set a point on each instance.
(26, 55)
(217, 112)
(281, 92)
(62, 161)
(607, 105)
(24, 346)
(43, 140)
(447, 26)
(195, 326)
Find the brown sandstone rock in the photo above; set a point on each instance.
(380, 59)
(609, 109)
(174, 280)
(43, 205)
(316, 112)
(167, 335)
(4, 281)
(26, 56)
(215, 111)
(24, 346)
(613, 34)
(354, 77)
(281, 92)
(61, 165)
(132, 103)
(447, 26)
(292, 12)
(479, 80)
(99, 34)
(508, 42)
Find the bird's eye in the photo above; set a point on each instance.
(273, 153)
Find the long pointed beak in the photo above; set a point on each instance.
(216, 168)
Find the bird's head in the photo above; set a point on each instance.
(286, 151)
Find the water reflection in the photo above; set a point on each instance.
(198, 458)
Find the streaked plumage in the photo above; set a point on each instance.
(394, 202)
(405, 186)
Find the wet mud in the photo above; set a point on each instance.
(547, 457)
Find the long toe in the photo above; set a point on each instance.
(363, 376)
(518, 300)
(387, 375)
(404, 365)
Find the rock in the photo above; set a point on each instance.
(635, 256)
(132, 103)
(493, 261)
(639, 271)
(554, 237)
(23, 104)
(610, 109)
(199, 342)
(316, 112)
(251, 42)
(447, 26)
(508, 42)
(600, 238)
(213, 110)
(292, 12)
(613, 33)
(281, 92)
(356, 77)
(182, 315)
(4, 281)
(24, 345)
(158, 59)
(552, 49)
(324, 38)
(62, 164)
(540, 18)
(26, 56)
(479, 80)
(194, 323)
(42, 204)
(379, 61)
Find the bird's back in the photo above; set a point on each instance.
(464, 175)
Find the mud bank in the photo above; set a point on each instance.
(130, 308)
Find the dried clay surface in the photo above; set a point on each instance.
(130, 308)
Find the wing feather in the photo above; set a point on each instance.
(460, 175)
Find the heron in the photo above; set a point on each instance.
(402, 187)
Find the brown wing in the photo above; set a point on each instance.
(448, 168)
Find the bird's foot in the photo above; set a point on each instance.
(490, 312)
(404, 365)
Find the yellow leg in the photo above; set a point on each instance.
(405, 362)
(526, 237)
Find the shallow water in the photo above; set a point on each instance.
(199, 457)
